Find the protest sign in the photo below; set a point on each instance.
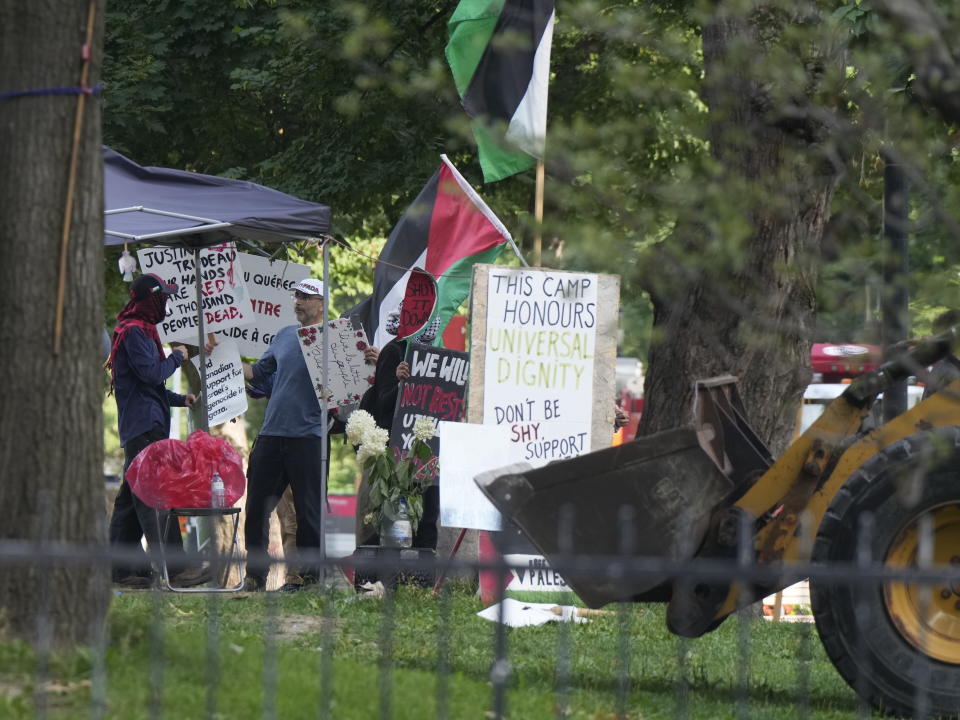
(225, 300)
(542, 369)
(348, 374)
(435, 389)
(543, 335)
(466, 451)
(225, 393)
(270, 284)
(419, 300)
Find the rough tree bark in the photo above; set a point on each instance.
(51, 434)
(744, 303)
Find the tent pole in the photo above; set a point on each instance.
(202, 404)
(324, 426)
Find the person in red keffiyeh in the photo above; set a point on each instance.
(138, 368)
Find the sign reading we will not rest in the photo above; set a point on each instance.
(435, 390)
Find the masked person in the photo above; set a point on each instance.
(138, 368)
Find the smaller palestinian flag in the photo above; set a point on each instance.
(446, 230)
(499, 53)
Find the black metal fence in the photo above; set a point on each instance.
(926, 580)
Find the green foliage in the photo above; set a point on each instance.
(350, 103)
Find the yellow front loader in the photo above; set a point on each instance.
(850, 493)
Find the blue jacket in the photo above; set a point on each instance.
(143, 402)
(293, 409)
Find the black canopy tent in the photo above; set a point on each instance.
(195, 211)
(174, 207)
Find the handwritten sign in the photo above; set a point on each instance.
(348, 375)
(225, 394)
(542, 373)
(419, 300)
(270, 284)
(539, 350)
(225, 301)
(435, 389)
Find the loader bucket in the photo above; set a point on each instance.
(655, 494)
(652, 497)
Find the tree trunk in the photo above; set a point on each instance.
(735, 294)
(51, 434)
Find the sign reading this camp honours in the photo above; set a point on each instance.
(435, 389)
(270, 283)
(225, 300)
(541, 336)
(225, 392)
(542, 384)
(348, 374)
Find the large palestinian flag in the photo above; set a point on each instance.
(446, 230)
(499, 53)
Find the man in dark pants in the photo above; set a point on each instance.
(138, 369)
(288, 449)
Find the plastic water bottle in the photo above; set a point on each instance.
(401, 531)
(218, 496)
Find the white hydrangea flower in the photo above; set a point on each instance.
(368, 451)
(424, 429)
(359, 423)
(376, 436)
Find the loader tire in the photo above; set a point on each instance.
(896, 644)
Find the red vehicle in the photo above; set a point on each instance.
(834, 363)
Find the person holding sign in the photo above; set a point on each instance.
(138, 368)
(409, 319)
(287, 451)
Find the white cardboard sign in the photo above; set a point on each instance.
(348, 375)
(540, 345)
(225, 300)
(467, 450)
(225, 391)
(270, 284)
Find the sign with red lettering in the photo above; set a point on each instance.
(348, 374)
(419, 299)
(435, 389)
(270, 284)
(225, 302)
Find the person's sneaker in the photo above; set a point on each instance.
(252, 584)
(290, 587)
(191, 577)
(134, 582)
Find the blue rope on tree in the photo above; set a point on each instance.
(77, 90)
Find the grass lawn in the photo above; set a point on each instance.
(287, 656)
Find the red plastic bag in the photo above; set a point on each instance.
(174, 473)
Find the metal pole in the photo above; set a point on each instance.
(895, 301)
(202, 422)
(324, 449)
